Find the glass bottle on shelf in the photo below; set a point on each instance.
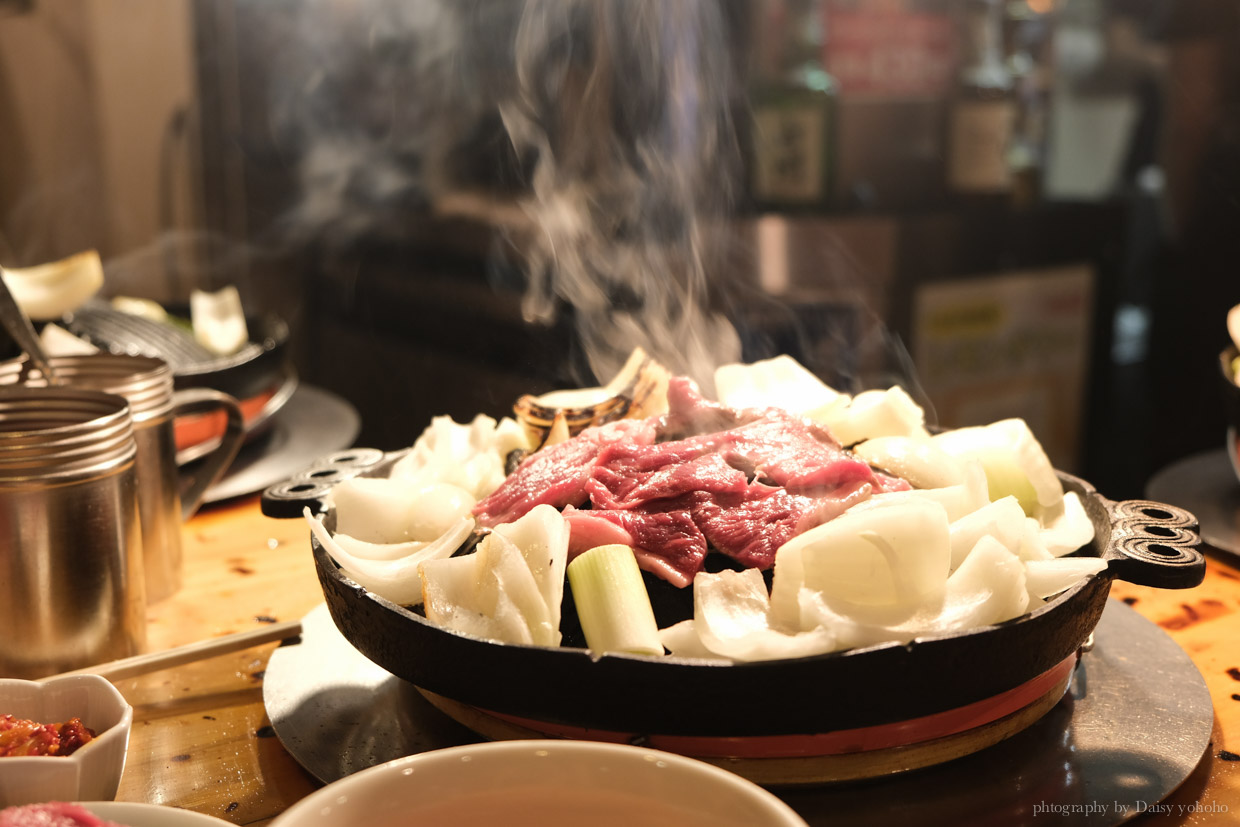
(983, 109)
(793, 104)
(1029, 26)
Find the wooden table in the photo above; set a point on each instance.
(201, 739)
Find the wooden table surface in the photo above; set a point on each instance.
(201, 739)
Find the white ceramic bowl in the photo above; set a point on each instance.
(93, 772)
(554, 783)
(150, 815)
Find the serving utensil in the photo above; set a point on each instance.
(18, 326)
(202, 650)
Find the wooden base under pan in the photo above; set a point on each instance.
(851, 755)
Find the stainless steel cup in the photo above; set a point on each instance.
(72, 592)
(163, 501)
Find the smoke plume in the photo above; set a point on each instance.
(622, 112)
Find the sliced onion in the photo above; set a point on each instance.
(1071, 530)
(918, 461)
(397, 579)
(460, 597)
(542, 535)
(506, 564)
(1050, 577)
(873, 414)
(469, 456)
(731, 614)
(1004, 520)
(957, 500)
(510, 588)
(850, 632)
(989, 587)
(1014, 461)
(781, 382)
(682, 640)
(380, 510)
(881, 562)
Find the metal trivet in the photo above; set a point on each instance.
(1135, 723)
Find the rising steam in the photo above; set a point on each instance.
(614, 117)
(622, 110)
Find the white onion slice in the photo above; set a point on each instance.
(380, 510)
(504, 561)
(849, 630)
(542, 535)
(682, 640)
(989, 587)
(1014, 461)
(873, 414)
(459, 597)
(1071, 530)
(881, 563)
(1004, 520)
(1049, 577)
(470, 456)
(509, 588)
(397, 579)
(1032, 544)
(918, 461)
(731, 614)
(781, 382)
(957, 500)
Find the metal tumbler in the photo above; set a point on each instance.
(163, 502)
(72, 591)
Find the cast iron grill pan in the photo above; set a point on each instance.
(1144, 542)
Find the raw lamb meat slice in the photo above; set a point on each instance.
(788, 451)
(52, 814)
(750, 529)
(771, 444)
(666, 543)
(689, 413)
(557, 475)
(612, 485)
(746, 490)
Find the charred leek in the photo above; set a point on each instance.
(612, 602)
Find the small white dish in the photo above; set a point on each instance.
(93, 772)
(150, 815)
(550, 783)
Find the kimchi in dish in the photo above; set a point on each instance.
(20, 737)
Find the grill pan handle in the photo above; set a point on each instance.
(309, 489)
(1154, 544)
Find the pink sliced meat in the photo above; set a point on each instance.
(666, 543)
(53, 814)
(689, 413)
(557, 475)
(741, 481)
(750, 529)
(613, 485)
(787, 451)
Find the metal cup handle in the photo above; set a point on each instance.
(207, 400)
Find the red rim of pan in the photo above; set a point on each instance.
(841, 742)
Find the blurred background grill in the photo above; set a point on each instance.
(1017, 208)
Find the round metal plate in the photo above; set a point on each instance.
(1135, 722)
(314, 421)
(1207, 485)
